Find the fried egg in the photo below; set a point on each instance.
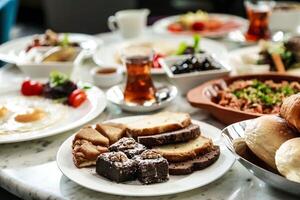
(27, 114)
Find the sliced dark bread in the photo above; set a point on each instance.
(182, 135)
(186, 150)
(201, 162)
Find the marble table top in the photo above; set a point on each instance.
(28, 169)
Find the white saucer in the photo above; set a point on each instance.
(88, 178)
(115, 95)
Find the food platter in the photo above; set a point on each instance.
(202, 96)
(161, 26)
(86, 177)
(109, 55)
(72, 117)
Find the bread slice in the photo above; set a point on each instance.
(158, 123)
(85, 153)
(112, 131)
(200, 162)
(185, 151)
(181, 135)
(91, 135)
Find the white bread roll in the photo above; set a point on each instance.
(265, 134)
(290, 110)
(287, 159)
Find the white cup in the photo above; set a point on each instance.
(130, 23)
(287, 19)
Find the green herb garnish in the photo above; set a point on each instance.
(57, 78)
(65, 41)
(181, 48)
(196, 43)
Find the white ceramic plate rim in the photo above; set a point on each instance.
(215, 171)
(220, 52)
(98, 102)
(160, 25)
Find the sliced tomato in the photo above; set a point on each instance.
(77, 97)
(155, 60)
(175, 27)
(198, 26)
(31, 88)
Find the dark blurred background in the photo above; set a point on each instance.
(90, 16)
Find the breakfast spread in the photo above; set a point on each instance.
(255, 96)
(59, 88)
(274, 140)
(173, 145)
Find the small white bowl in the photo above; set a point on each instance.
(106, 79)
(186, 81)
(36, 69)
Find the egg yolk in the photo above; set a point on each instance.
(3, 111)
(35, 115)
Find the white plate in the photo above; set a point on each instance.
(115, 95)
(106, 54)
(88, 178)
(75, 117)
(237, 64)
(12, 50)
(160, 26)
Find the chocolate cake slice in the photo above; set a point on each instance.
(182, 135)
(152, 167)
(116, 166)
(129, 146)
(198, 163)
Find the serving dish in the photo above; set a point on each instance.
(87, 178)
(186, 81)
(110, 54)
(202, 95)
(14, 52)
(167, 92)
(161, 26)
(236, 132)
(70, 119)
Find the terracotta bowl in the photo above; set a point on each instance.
(202, 96)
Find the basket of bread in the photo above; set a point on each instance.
(269, 146)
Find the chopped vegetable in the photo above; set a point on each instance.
(257, 96)
(31, 88)
(77, 97)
